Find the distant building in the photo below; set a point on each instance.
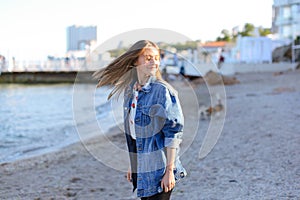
(286, 19)
(256, 50)
(210, 51)
(80, 37)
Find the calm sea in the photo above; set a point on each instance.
(36, 119)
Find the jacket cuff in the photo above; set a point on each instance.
(172, 142)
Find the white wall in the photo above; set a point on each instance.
(231, 69)
(254, 50)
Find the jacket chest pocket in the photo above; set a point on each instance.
(152, 118)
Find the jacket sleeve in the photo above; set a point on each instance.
(174, 122)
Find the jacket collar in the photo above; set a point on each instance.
(147, 87)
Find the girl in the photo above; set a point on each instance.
(153, 119)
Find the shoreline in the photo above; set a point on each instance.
(85, 76)
(254, 158)
(48, 77)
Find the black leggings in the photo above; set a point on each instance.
(159, 196)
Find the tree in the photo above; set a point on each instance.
(264, 31)
(186, 45)
(248, 30)
(226, 36)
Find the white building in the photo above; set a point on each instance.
(80, 37)
(252, 50)
(286, 22)
(286, 19)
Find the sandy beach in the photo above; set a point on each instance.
(255, 157)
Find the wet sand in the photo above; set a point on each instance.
(256, 156)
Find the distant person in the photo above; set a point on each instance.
(221, 60)
(14, 61)
(162, 58)
(67, 61)
(175, 58)
(182, 70)
(153, 119)
(165, 73)
(2, 62)
(163, 65)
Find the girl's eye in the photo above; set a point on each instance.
(148, 57)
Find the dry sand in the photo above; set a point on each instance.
(256, 156)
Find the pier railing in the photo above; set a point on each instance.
(52, 66)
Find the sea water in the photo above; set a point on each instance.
(39, 118)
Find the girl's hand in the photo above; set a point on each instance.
(129, 178)
(168, 180)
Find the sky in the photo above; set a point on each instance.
(33, 29)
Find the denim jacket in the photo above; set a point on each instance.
(158, 124)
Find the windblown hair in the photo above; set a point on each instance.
(121, 72)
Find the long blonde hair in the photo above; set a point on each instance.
(121, 71)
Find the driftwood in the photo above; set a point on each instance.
(212, 78)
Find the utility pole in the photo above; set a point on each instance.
(294, 48)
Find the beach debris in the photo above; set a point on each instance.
(281, 54)
(70, 194)
(280, 90)
(277, 73)
(75, 179)
(284, 54)
(3, 164)
(213, 78)
(230, 80)
(197, 81)
(97, 189)
(207, 111)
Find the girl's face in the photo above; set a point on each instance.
(148, 62)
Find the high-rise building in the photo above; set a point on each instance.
(79, 37)
(286, 19)
(286, 22)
